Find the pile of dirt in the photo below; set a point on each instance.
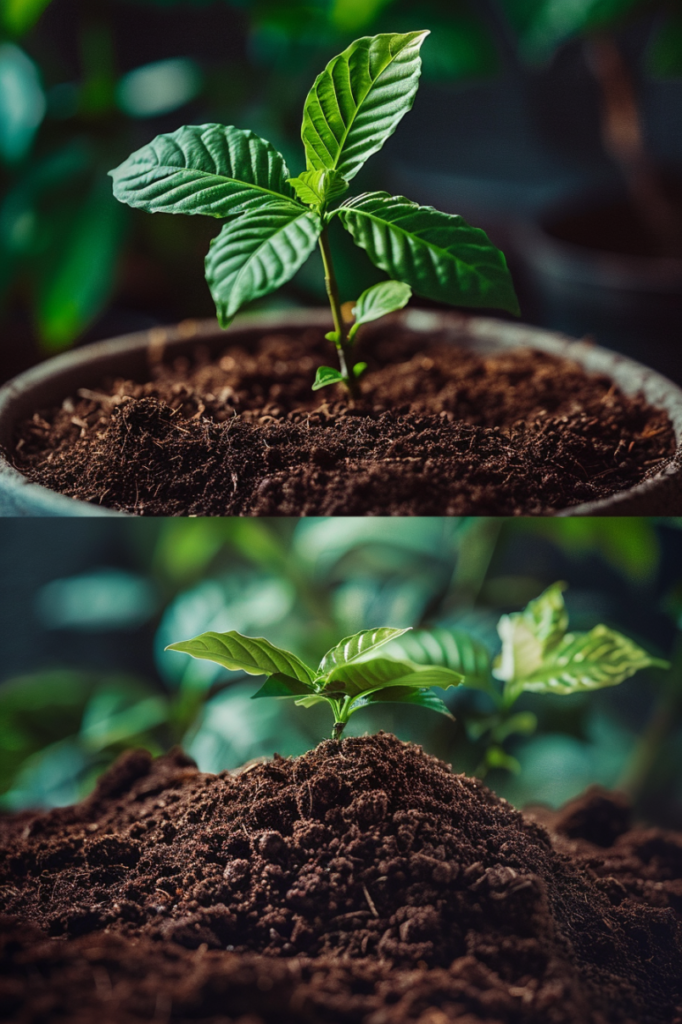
(363, 883)
(438, 431)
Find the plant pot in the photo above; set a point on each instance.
(582, 281)
(132, 356)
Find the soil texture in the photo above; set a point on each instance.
(438, 431)
(363, 883)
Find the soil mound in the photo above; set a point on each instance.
(439, 431)
(362, 882)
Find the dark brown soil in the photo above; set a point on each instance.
(363, 883)
(438, 431)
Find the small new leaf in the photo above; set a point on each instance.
(377, 301)
(326, 375)
(209, 169)
(438, 254)
(254, 655)
(317, 188)
(356, 103)
(359, 369)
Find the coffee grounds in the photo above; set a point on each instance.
(439, 431)
(363, 882)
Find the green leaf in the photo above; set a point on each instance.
(544, 25)
(401, 695)
(257, 253)
(309, 702)
(315, 188)
(528, 636)
(664, 53)
(206, 169)
(74, 288)
(353, 648)
(22, 102)
(281, 685)
(356, 103)
(585, 661)
(359, 369)
(450, 648)
(377, 301)
(351, 15)
(18, 16)
(497, 757)
(254, 655)
(361, 677)
(438, 254)
(326, 375)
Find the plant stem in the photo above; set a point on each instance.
(341, 709)
(337, 730)
(342, 345)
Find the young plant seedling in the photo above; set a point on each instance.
(273, 221)
(538, 655)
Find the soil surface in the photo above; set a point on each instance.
(363, 883)
(439, 431)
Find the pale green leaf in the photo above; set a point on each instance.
(585, 661)
(205, 169)
(254, 655)
(497, 757)
(281, 685)
(353, 648)
(315, 188)
(257, 253)
(309, 702)
(356, 103)
(361, 677)
(326, 375)
(377, 301)
(359, 369)
(404, 695)
(438, 254)
(450, 648)
(528, 636)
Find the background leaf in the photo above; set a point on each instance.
(585, 661)
(352, 648)
(257, 253)
(450, 648)
(438, 254)
(529, 636)
(72, 292)
(206, 169)
(243, 653)
(356, 103)
(22, 102)
(18, 16)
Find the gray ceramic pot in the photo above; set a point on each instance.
(132, 355)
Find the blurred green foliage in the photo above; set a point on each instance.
(302, 584)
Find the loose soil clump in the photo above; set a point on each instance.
(439, 431)
(363, 883)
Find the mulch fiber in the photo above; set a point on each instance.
(438, 431)
(362, 883)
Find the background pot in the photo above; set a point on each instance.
(627, 302)
(133, 355)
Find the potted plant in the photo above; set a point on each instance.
(363, 880)
(413, 425)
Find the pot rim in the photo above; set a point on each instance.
(37, 385)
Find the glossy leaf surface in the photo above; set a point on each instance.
(206, 169)
(257, 253)
(355, 104)
(353, 648)
(377, 301)
(404, 695)
(438, 254)
(449, 648)
(358, 677)
(254, 655)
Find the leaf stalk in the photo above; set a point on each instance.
(340, 327)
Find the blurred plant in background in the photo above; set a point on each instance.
(302, 584)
